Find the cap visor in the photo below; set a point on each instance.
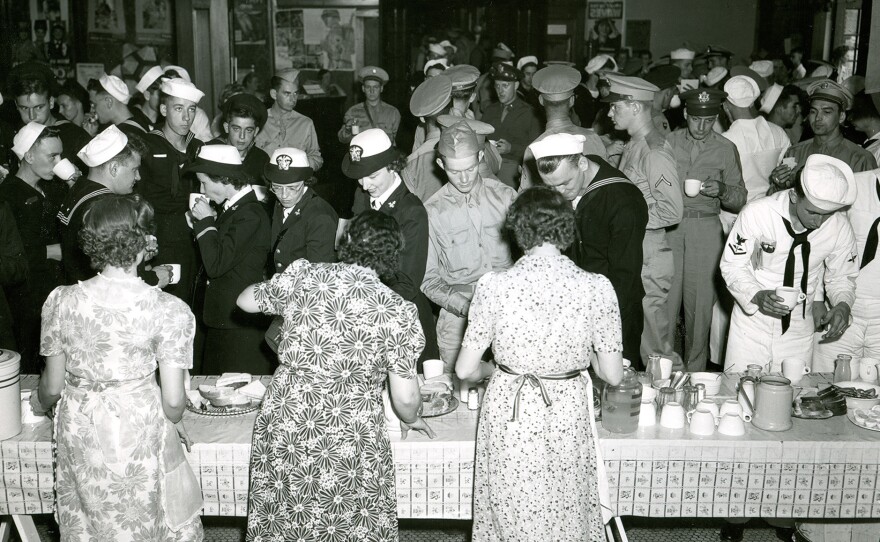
(289, 176)
(367, 165)
(217, 170)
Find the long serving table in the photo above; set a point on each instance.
(818, 469)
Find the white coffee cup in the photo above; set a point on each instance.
(692, 187)
(647, 414)
(790, 296)
(672, 416)
(710, 405)
(732, 406)
(790, 161)
(432, 368)
(731, 425)
(794, 369)
(175, 272)
(665, 368)
(355, 129)
(193, 198)
(702, 422)
(64, 169)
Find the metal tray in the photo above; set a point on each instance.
(453, 404)
(224, 412)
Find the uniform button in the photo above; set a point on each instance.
(208, 282)
(277, 251)
(277, 265)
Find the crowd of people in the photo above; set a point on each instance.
(563, 217)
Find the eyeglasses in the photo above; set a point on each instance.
(283, 190)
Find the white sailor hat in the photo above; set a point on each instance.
(715, 75)
(25, 138)
(828, 183)
(437, 62)
(770, 97)
(682, 54)
(742, 91)
(446, 43)
(103, 147)
(531, 59)
(149, 78)
(598, 62)
(764, 68)
(115, 87)
(181, 71)
(558, 145)
(181, 88)
(436, 48)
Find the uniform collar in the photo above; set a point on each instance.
(558, 123)
(474, 196)
(388, 193)
(237, 197)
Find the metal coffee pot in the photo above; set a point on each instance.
(773, 396)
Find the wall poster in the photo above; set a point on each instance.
(51, 40)
(315, 39)
(153, 21)
(106, 17)
(604, 26)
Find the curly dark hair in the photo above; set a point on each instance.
(373, 240)
(541, 215)
(114, 230)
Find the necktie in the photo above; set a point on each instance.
(375, 204)
(504, 110)
(868, 143)
(800, 239)
(871, 243)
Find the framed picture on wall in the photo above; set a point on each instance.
(153, 20)
(604, 26)
(106, 17)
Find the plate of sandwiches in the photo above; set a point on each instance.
(234, 394)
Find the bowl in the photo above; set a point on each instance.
(712, 381)
(853, 403)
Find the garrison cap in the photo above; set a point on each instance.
(458, 141)
(624, 87)
(431, 96)
(831, 91)
(463, 76)
(556, 82)
(665, 76)
(504, 72)
(502, 51)
(482, 129)
(703, 102)
(373, 72)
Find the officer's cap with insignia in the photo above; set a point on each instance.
(703, 102)
(218, 161)
(501, 71)
(831, 91)
(713, 50)
(431, 96)
(288, 165)
(373, 72)
(625, 88)
(368, 152)
(463, 76)
(828, 182)
(664, 76)
(556, 82)
(458, 141)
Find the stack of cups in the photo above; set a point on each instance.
(10, 394)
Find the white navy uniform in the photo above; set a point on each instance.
(755, 258)
(862, 339)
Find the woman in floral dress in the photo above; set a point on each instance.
(537, 475)
(321, 466)
(116, 445)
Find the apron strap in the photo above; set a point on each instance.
(536, 381)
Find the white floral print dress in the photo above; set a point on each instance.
(109, 425)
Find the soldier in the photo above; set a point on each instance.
(515, 122)
(422, 175)
(556, 85)
(372, 112)
(702, 154)
(647, 161)
(286, 127)
(465, 218)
